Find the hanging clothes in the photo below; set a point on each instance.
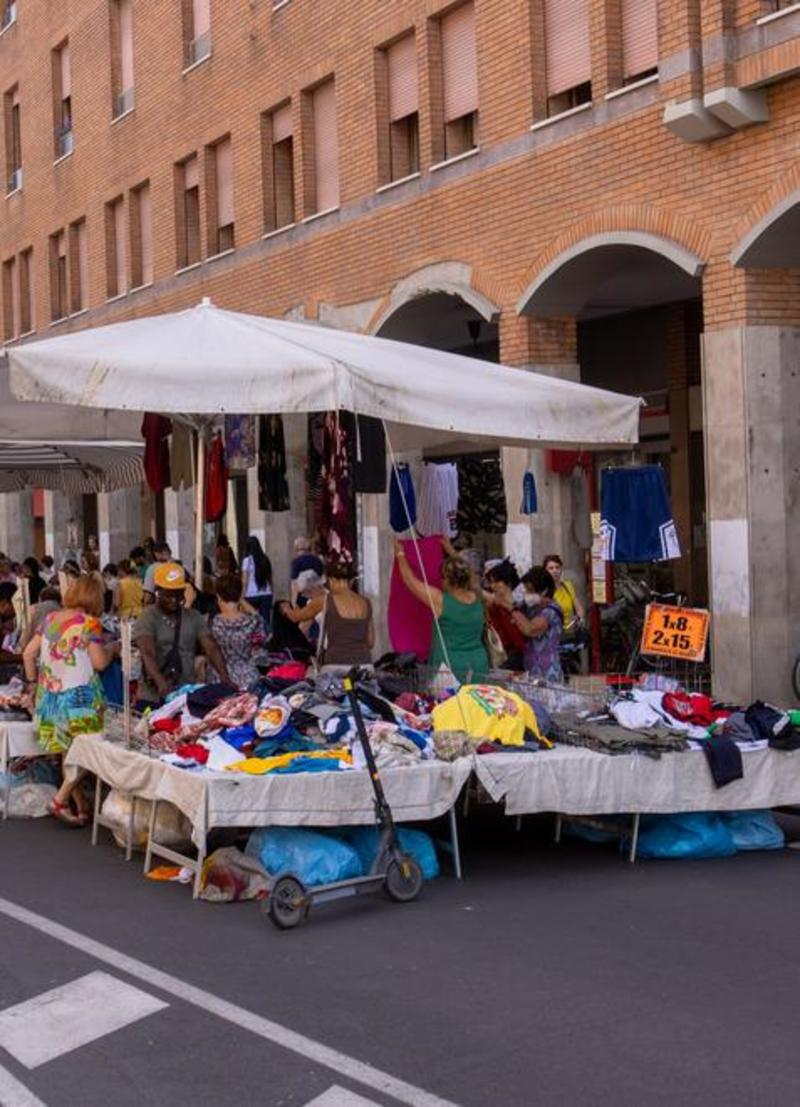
(240, 442)
(337, 517)
(156, 430)
(410, 622)
(216, 481)
(181, 456)
(636, 522)
(530, 501)
(273, 486)
(402, 499)
(438, 500)
(482, 504)
(367, 444)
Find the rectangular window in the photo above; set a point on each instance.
(13, 130)
(196, 31)
(278, 168)
(639, 39)
(459, 81)
(121, 57)
(401, 71)
(141, 210)
(62, 100)
(568, 49)
(26, 316)
(10, 300)
(325, 148)
(78, 266)
(116, 249)
(8, 13)
(187, 212)
(219, 197)
(59, 277)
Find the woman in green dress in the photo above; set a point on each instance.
(460, 613)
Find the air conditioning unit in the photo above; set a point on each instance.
(199, 48)
(8, 14)
(15, 180)
(123, 103)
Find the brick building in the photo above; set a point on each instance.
(606, 189)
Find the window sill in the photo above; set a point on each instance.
(27, 334)
(188, 268)
(400, 181)
(276, 7)
(63, 157)
(140, 287)
(122, 115)
(58, 322)
(13, 22)
(772, 16)
(278, 230)
(220, 255)
(643, 83)
(196, 65)
(320, 214)
(78, 314)
(455, 160)
(116, 298)
(13, 192)
(561, 115)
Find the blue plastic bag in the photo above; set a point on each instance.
(312, 857)
(416, 843)
(693, 834)
(754, 829)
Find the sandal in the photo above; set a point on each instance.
(62, 812)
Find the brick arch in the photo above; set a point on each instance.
(455, 278)
(778, 200)
(664, 232)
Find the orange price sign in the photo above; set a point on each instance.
(680, 632)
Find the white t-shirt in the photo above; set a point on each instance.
(252, 589)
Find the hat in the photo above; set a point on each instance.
(169, 576)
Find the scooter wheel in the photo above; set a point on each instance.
(288, 903)
(403, 881)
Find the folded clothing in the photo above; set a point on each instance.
(724, 759)
(487, 712)
(205, 698)
(774, 726)
(260, 766)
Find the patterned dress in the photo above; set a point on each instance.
(239, 640)
(69, 696)
(543, 654)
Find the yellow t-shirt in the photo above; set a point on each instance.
(565, 598)
(484, 711)
(130, 598)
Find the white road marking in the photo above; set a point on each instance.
(71, 1016)
(14, 1094)
(358, 1071)
(340, 1097)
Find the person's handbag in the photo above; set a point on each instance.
(172, 669)
(494, 646)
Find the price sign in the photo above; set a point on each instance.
(680, 632)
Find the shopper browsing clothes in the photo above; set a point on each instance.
(565, 595)
(257, 574)
(347, 635)
(460, 614)
(64, 662)
(168, 636)
(541, 623)
(502, 580)
(240, 636)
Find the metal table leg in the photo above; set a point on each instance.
(98, 800)
(559, 827)
(634, 838)
(455, 843)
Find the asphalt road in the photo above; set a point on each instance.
(554, 976)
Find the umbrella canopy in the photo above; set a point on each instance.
(71, 467)
(208, 361)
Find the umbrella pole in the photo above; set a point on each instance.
(199, 508)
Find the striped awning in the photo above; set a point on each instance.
(73, 467)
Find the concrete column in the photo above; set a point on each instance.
(119, 523)
(59, 510)
(752, 410)
(16, 524)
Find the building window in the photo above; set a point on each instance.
(121, 57)
(78, 267)
(59, 277)
(196, 31)
(141, 210)
(13, 131)
(187, 212)
(639, 39)
(116, 249)
(10, 300)
(403, 108)
(459, 81)
(219, 197)
(324, 190)
(568, 50)
(8, 13)
(277, 143)
(62, 100)
(26, 317)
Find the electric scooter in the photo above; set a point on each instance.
(393, 871)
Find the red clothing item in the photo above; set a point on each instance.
(216, 481)
(694, 708)
(510, 635)
(197, 752)
(156, 430)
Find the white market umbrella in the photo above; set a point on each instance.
(207, 361)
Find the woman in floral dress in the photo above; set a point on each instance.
(64, 661)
